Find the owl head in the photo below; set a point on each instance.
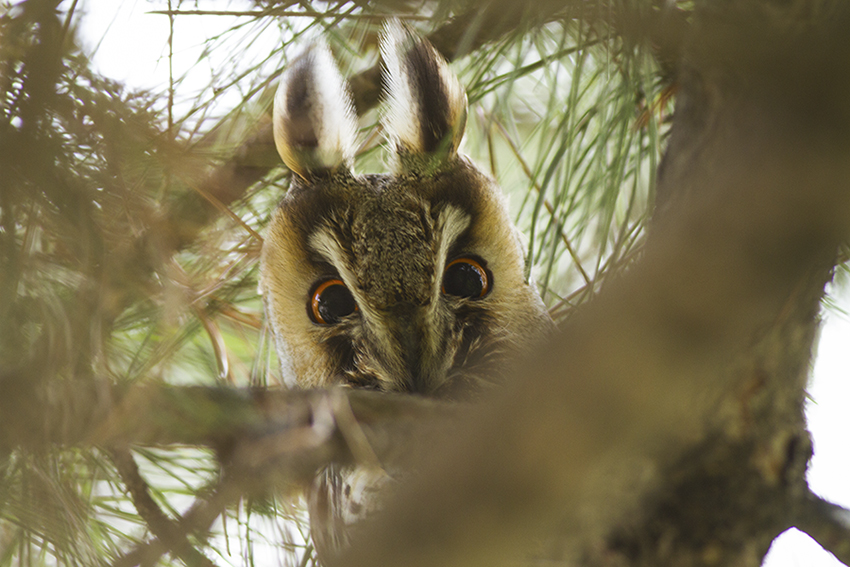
(411, 281)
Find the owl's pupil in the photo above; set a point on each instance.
(331, 303)
(465, 278)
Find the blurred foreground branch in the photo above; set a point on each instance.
(288, 434)
(664, 426)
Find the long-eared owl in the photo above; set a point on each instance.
(411, 281)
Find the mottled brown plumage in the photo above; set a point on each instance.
(403, 282)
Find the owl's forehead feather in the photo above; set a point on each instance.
(342, 194)
(391, 233)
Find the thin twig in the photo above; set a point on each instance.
(169, 532)
(284, 14)
(198, 519)
(351, 431)
(826, 523)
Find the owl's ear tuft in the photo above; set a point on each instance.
(426, 105)
(315, 126)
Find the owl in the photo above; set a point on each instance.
(411, 281)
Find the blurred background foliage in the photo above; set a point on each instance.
(128, 257)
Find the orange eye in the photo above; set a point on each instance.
(466, 277)
(330, 302)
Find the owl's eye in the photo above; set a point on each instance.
(466, 277)
(330, 302)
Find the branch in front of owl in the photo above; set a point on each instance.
(267, 439)
(251, 429)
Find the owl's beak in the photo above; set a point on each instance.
(416, 335)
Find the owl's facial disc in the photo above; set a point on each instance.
(386, 281)
(397, 286)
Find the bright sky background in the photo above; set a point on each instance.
(132, 46)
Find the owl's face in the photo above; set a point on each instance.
(410, 281)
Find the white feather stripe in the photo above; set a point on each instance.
(402, 114)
